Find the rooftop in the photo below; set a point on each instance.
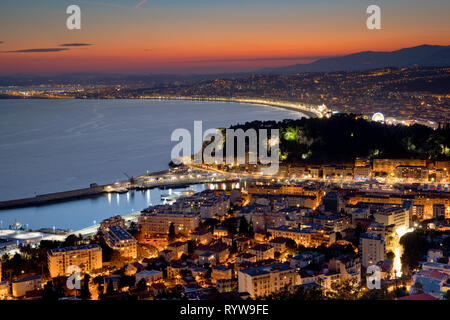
(76, 248)
(30, 278)
(120, 233)
(261, 247)
(148, 273)
(419, 296)
(372, 236)
(266, 269)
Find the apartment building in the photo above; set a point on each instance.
(308, 236)
(151, 224)
(413, 173)
(362, 173)
(264, 280)
(117, 238)
(397, 216)
(22, 286)
(262, 252)
(372, 248)
(424, 200)
(87, 257)
(113, 221)
(264, 220)
(388, 166)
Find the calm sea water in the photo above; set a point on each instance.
(56, 145)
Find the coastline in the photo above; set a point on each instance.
(308, 111)
(98, 190)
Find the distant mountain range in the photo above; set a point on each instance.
(423, 56)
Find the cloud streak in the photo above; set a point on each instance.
(39, 50)
(140, 3)
(115, 5)
(75, 44)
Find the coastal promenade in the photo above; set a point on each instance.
(308, 110)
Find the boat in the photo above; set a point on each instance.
(173, 196)
(121, 190)
(17, 226)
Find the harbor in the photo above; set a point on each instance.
(167, 179)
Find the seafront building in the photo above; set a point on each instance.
(113, 221)
(117, 238)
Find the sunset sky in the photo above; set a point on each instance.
(205, 36)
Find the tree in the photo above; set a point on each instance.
(230, 224)
(191, 246)
(302, 293)
(345, 290)
(141, 285)
(72, 240)
(234, 248)
(107, 251)
(243, 226)
(291, 245)
(210, 222)
(127, 281)
(418, 287)
(415, 247)
(110, 288)
(447, 295)
(48, 294)
(133, 229)
(358, 231)
(390, 256)
(378, 294)
(172, 235)
(84, 292)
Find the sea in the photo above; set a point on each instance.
(63, 144)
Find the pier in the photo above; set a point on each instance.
(173, 178)
(93, 191)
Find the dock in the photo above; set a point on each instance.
(161, 179)
(93, 191)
